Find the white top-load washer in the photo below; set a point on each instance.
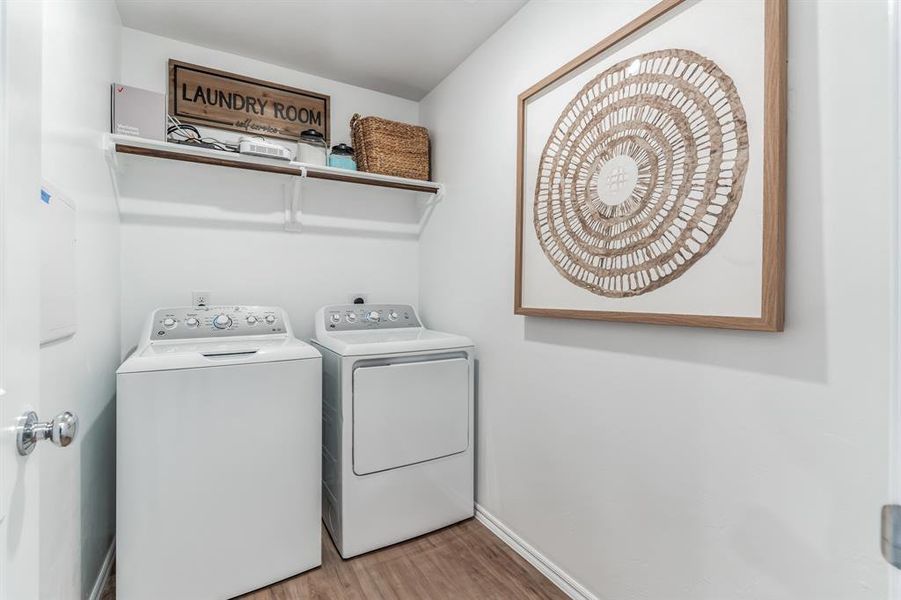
(397, 427)
(218, 455)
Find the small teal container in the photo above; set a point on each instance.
(342, 156)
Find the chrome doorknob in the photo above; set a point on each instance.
(61, 431)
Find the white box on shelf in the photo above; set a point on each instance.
(138, 112)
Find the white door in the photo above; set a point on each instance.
(20, 159)
(408, 413)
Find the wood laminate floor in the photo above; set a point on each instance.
(460, 562)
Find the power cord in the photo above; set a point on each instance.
(182, 133)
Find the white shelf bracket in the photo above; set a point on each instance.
(430, 203)
(294, 201)
(112, 161)
(296, 221)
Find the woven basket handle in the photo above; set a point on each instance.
(354, 119)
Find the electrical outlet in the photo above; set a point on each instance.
(356, 298)
(202, 298)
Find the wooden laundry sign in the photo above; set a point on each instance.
(215, 98)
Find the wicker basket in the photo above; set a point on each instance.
(390, 148)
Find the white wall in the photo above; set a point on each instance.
(80, 60)
(653, 462)
(233, 242)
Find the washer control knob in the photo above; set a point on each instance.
(373, 316)
(335, 317)
(351, 317)
(270, 319)
(392, 315)
(169, 323)
(222, 322)
(252, 320)
(192, 322)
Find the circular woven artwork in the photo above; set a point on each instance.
(642, 173)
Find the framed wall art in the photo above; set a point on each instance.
(651, 173)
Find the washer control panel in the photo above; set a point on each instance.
(353, 317)
(216, 321)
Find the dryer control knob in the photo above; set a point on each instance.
(192, 322)
(373, 316)
(392, 316)
(252, 320)
(222, 322)
(270, 319)
(169, 322)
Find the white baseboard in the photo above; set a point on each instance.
(558, 577)
(105, 569)
(555, 574)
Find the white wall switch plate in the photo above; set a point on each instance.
(201, 298)
(354, 298)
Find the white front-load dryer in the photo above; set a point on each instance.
(397, 426)
(218, 441)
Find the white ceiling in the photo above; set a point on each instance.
(400, 47)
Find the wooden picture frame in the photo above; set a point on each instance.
(772, 305)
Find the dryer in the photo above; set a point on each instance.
(397, 425)
(218, 417)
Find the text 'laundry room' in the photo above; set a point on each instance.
(450, 299)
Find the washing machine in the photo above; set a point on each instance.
(218, 460)
(397, 425)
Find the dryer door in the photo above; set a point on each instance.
(408, 413)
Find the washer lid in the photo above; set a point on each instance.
(390, 341)
(189, 354)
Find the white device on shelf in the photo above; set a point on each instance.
(397, 421)
(218, 462)
(261, 147)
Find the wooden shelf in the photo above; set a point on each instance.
(297, 217)
(166, 150)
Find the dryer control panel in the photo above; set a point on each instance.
(354, 317)
(216, 321)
